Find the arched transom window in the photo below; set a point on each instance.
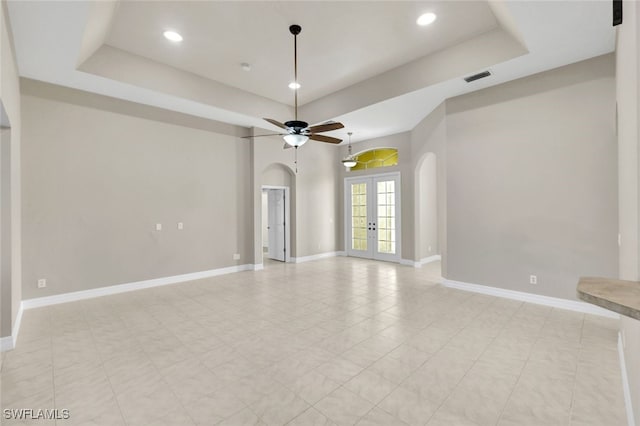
(377, 157)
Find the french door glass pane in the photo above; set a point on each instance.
(386, 199)
(359, 216)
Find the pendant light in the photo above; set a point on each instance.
(350, 161)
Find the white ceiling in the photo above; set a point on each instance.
(341, 43)
(364, 63)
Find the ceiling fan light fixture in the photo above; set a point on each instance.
(296, 140)
(294, 85)
(426, 19)
(172, 36)
(349, 161)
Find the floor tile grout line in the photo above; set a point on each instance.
(466, 372)
(546, 319)
(279, 299)
(103, 368)
(575, 377)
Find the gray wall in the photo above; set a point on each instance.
(96, 182)
(628, 97)
(10, 99)
(531, 181)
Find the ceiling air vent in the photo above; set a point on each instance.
(478, 76)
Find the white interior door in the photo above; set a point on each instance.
(277, 237)
(373, 216)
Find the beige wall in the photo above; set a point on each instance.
(628, 95)
(531, 181)
(96, 182)
(10, 98)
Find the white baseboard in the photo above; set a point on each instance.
(258, 266)
(625, 383)
(316, 256)
(434, 258)
(6, 343)
(419, 263)
(122, 288)
(9, 342)
(571, 305)
(409, 262)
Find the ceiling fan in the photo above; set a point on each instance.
(298, 132)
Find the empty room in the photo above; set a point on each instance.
(304, 213)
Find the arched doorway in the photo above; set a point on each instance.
(275, 233)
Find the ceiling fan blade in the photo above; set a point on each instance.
(259, 136)
(325, 127)
(275, 123)
(322, 138)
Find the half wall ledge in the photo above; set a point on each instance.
(619, 296)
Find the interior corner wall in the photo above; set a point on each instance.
(96, 183)
(532, 181)
(10, 98)
(316, 199)
(628, 101)
(426, 200)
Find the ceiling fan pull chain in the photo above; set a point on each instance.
(296, 159)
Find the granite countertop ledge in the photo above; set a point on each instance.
(619, 296)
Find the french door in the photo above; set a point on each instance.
(373, 216)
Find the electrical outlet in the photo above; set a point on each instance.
(236, 256)
(533, 279)
(42, 283)
(619, 240)
(158, 227)
(180, 226)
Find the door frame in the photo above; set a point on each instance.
(287, 221)
(347, 181)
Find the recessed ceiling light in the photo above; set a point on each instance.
(172, 36)
(245, 66)
(293, 85)
(426, 19)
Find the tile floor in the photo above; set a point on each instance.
(339, 341)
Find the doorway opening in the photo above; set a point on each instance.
(7, 306)
(276, 235)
